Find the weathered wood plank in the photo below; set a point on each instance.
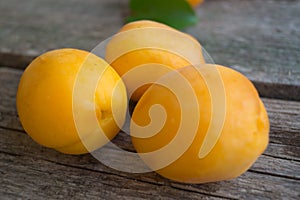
(259, 38)
(285, 121)
(275, 164)
(35, 26)
(263, 36)
(28, 177)
(243, 188)
(8, 89)
(281, 161)
(283, 151)
(16, 152)
(284, 115)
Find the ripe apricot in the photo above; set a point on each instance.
(48, 106)
(147, 42)
(195, 3)
(144, 24)
(243, 136)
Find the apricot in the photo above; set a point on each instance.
(144, 24)
(55, 108)
(195, 3)
(242, 138)
(147, 42)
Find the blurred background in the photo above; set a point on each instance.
(258, 38)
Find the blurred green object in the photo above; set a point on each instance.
(176, 13)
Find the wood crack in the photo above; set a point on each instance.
(118, 175)
(274, 175)
(282, 158)
(13, 129)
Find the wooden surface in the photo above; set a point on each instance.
(29, 168)
(259, 38)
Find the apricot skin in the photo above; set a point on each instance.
(44, 100)
(144, 24)
(243, 138)
(195, 3)
(137, 57)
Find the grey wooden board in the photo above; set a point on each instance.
(29, 170)
(31, 27)
(258, 38)
(261, 39)
(32, 169)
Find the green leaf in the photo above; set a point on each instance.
(176, 13)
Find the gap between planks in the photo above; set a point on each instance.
(258, 38)
(267, 89)
(88, 163)
(287, 151)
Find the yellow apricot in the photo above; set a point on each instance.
(195, 3)
(243, 136)
(52, 94)
(147, 42)
(152, 24)
(144, 24)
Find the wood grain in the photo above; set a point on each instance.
(284, 115)
(28, 177)
(258, 38)
(261, 39)
(41, 166)
(42, 172)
